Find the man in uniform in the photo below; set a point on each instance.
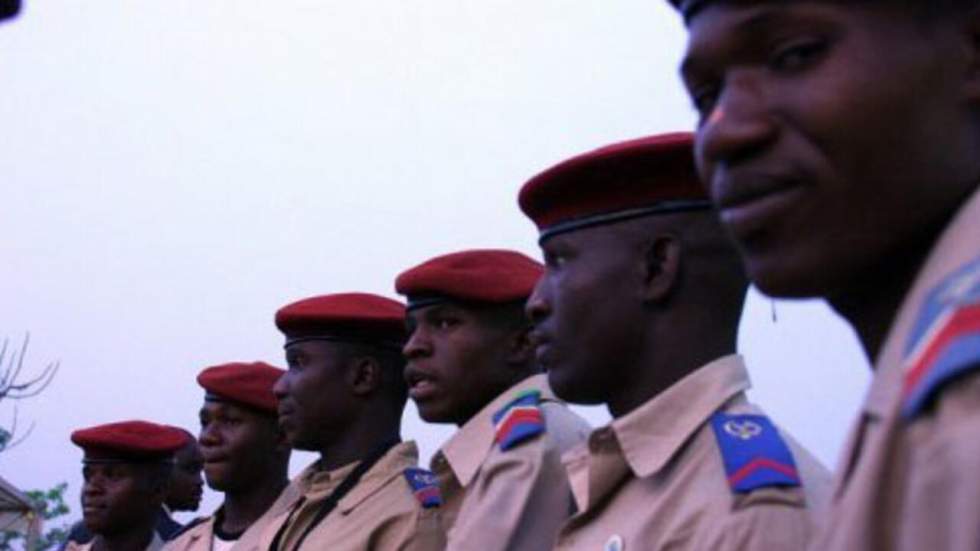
(343, 397)
(840, 143)
(127, 467)
(245, 454)
(183, 494)
(470, 363)
(638, 309)
(186, 485)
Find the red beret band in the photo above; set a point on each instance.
(249, 384)
(625, 180)
(344, 317)
(489, 276)
(129, 441)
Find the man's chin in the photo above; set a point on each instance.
(572, 390)
(432, 414)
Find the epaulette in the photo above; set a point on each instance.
(425, 486)
(754, 453)
(520, 420)
(944, 343)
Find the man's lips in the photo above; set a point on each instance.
(284, 411)
(748, 201)
(92, 509)
(542, 346)
(421, 385)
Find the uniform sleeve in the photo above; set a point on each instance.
(942, 502)
(769, 519)
(518, 501)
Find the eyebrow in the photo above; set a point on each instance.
(750, 27)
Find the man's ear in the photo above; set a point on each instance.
(160, 486)
(661, 267)
(364, 375)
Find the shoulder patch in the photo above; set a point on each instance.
(754, 453)
(425, 486)
(945, 341)
(520, 420)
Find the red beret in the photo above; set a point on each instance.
(130, 440)
(344, 316)
(246, 383)
(617, 182)
(486, 275)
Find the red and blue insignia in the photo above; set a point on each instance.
(754, 453)
(945, 341)
(425, 486)
(519, 420)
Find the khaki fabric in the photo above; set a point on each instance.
(654, 479)
(199, 537)
(913, 484)
(156, 544)
(379, 514)
(508, 500)
(196, 538)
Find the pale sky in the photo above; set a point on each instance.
(175, 171)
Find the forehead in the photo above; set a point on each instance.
(733, 30)
(225, 407)
(116, 467)
(314, 348)
(434, 310)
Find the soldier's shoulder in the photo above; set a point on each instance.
(942, 347)
(519, 421)
(190, 531)
(424, 485)
(754, 454)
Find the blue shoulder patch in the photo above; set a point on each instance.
(520, 420)
(944, 343)
(425, 486)
(754, 453)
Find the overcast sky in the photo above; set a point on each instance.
(175, 171)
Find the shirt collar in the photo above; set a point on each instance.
(954, 248)
(651, 434)
(466, 450)
(391, 465)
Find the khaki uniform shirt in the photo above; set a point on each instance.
(200, 536)
(380, 513)
(508, 500)
(912, 481)
(196, 538)
(654, 479)
(156, 544)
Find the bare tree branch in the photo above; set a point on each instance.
(15, 387)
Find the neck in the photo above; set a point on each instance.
(498, 390)
(242, 508)
(871, 304)
(656, 368)
(357, 442)
(136, 539)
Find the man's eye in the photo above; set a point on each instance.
(797, 55)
